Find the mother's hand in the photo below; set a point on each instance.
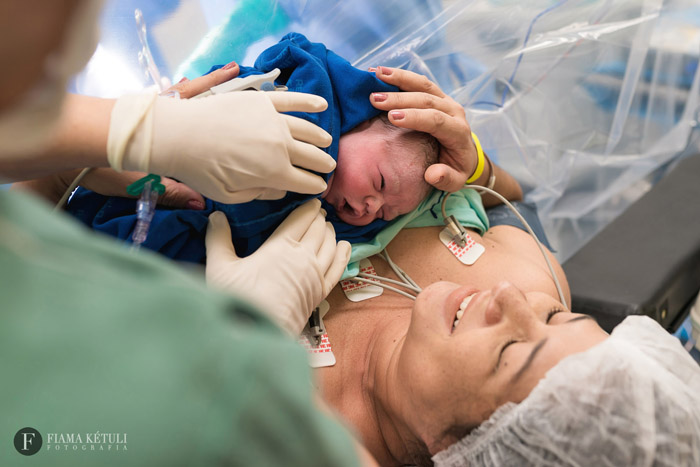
(109, 182)
(424, 107)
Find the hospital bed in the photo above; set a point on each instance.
(647, 261)
(586, 102)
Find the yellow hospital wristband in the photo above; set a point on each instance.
(479, 161)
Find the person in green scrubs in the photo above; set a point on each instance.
(98, 342)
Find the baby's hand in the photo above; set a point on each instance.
(189, 88)
(424, 107)
(109, 182)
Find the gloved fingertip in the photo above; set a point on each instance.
(327, 140)
(319, 103)
(348, 249)
(311, 208)
(217, 218)
(325, 164)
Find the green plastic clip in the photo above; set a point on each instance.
(136, 188)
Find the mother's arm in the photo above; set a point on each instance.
(424, 107)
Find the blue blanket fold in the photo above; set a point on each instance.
(179, 233)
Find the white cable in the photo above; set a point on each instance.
(379, 284)
(527, 226)
(390, 281)
(399, 272)
(70, 189)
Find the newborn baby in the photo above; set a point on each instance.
(380, 172)
(378, 177)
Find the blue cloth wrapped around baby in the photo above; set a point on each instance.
(179, 233)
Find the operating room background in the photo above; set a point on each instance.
(586, 102)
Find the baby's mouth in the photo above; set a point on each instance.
(347, 209)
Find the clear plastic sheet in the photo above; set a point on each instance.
(585, 102)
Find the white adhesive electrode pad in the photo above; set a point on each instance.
(359, 291)
(320, 355)
(467, 254)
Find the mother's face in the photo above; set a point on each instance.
(455, 376)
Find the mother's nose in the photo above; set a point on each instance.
(509, 302)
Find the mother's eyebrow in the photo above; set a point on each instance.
(540, 344)
(580, 318)
(528, 361)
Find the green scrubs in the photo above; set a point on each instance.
(117, 358)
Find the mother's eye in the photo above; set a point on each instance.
(503, 349)
(553, 312)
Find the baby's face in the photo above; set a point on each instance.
(374, 178)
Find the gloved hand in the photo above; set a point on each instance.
(289, 275)
(232, 147)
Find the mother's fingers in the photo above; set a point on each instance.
(415, 100)
(452, 132)
(445, 178)
(408, 80)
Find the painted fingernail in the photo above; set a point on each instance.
(372, 69)
(195, 204)
(385, 71)
(228, 66)
(379, 97)
(397, 114)
(182, 80)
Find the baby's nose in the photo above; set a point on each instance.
(372, 204)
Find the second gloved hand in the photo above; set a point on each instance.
(232, 147)
(289, 275)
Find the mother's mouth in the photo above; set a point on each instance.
(460, 312)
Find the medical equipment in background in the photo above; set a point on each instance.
(647, 261)
(264, 82)
(316, 327)
(147, 189)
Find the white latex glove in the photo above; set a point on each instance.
(232, 147)
(289, 275)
